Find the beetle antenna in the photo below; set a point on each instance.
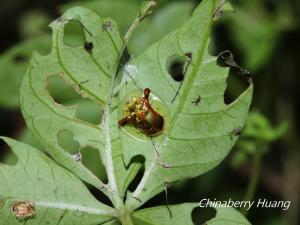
(147, 93)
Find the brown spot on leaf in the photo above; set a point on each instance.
(23, 210)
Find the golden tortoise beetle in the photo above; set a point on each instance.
(139, 113)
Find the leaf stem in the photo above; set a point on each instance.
(254, 178)
(117, 201)
(145, 11)
(124, 216)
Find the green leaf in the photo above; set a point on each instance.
(52, 190)
(13, 64)
(196, 137)
(257, 136)
(151, 30)
(181, 214)
(257, 45)
(123, 12)
(260, 128)
(228, 216)
(12, 70)
(45, 118)
(33, 24)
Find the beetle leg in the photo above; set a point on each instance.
(123, 121)
(146, 93)
(151, 131)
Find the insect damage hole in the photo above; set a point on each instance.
(235, 87)
(201, 216)
(7, 156)
(238, 79)
(66, 141)
(89, 111)
(64, 94)
(138, 160)
(90, 158)
(74, 34)
(176, 67)
(61, 92)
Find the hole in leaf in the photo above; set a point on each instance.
(89, 111)
(238, 79)
(134, 183)
(64, 94)
(73, 34)
(201, 215)
(60, 91)
(176, 67)
(235, 87)
(67, 142)
(90, 158)
(100, 196)
(8, 157)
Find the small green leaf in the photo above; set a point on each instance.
(33, 24)
(260, 128)
(52, 190)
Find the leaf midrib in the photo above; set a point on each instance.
(175, 116)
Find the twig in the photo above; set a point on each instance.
(250, 193)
